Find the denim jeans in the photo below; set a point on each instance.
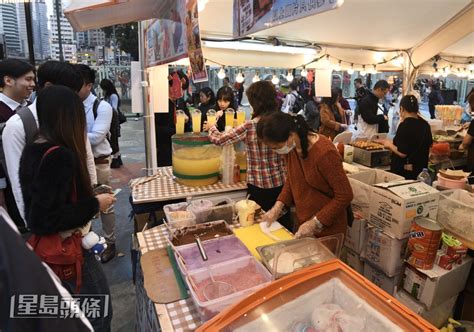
(94, 282)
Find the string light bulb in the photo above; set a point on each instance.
(221, 73)
(447, 70)
(436, 74)
(373, 70)
(350, 71)
(363, 72)
(239, 78)
(304, 72)
(289, 76)
(325, 63)
(471, 66)
(256, 78)
(337, 66)
(275, 80)
(444, 73)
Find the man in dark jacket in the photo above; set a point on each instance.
(370, 122)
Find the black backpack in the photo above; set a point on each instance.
(114, 130)
(299, 103)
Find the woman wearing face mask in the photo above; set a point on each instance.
(316, 182)
(265, 168)
(411, 145)
(207, 101)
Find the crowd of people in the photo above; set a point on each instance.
(57, 148)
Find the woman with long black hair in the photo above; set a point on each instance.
(111, 96)
(57, 190)
(316, 183)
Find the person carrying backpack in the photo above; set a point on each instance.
(17, 81)
(294, 102)
(98, 128)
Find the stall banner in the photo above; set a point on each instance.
(254, 15)
(196, 57)
(165, 39)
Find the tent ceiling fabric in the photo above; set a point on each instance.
(464, 47)
(392, 24)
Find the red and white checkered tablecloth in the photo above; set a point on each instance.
(162, 187)
(182, 314)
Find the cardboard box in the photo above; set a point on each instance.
(435, 286)
(362, 184)
(384, 251)
(380, 279)
(437, 316)
(352, 259)
(355, 235)
(393, 206)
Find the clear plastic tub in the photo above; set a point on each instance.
(246, 275)
(178, 216)
(218, 251)
(456, 214)
(223, 208)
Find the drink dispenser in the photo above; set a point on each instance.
(196, 161)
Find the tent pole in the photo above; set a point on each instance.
(148, 115)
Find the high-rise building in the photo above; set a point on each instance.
(90, 38)
(40, 29)
(67, 36)
(20, 17)
(9, 28)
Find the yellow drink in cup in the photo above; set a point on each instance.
(240, 117)
(211, 117)
(196, 118)
(180, 117)
(229, 117)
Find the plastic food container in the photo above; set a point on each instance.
(178, 215)
(246, 275)
(286, 257)
(213, 208)
(206, 231)
(456, 214)
(450, 183)
(218, 251)
(302, 301)
(196, 161)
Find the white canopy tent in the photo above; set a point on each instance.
(359, 32)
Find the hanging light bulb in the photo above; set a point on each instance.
(239, 78)
(325, 63)
(363, 72)
(448, 70)
(350, 71)
(304, 72)
(275, 80)
(221, 73)
(471, 75)
(445, 73)
(471, 66)
(289, 76)
(373, 70)
(465, 73)
(436, 74)
(337, 66)
(256, 78)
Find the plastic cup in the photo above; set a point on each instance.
(211, 117)
(240, 117)
(229, 117)
(196, 118)
(180, 119)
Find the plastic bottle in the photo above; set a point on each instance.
(424, 176)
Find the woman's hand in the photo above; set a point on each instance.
(273, 214)
(308, 229)
(105, 201)
(219, 114)
(206, 126)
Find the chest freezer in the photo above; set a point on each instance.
(324, 297)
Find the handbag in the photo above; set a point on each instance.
(64, 257)
(121, 117)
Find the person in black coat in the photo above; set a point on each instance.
(434, 98)
(207, 102)
(369, 106)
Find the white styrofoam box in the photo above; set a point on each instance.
(437, 315)
(362, 183)
(380, 279)
(352, 259)
(384, 251)
(355, 235)
(393, 206)
(435, 286)
(302, 308)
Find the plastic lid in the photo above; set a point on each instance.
(305, 252)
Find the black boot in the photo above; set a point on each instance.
(115, 163)
(120, 160)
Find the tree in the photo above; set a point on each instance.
(126, 36)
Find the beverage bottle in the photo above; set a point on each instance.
(424, 176)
